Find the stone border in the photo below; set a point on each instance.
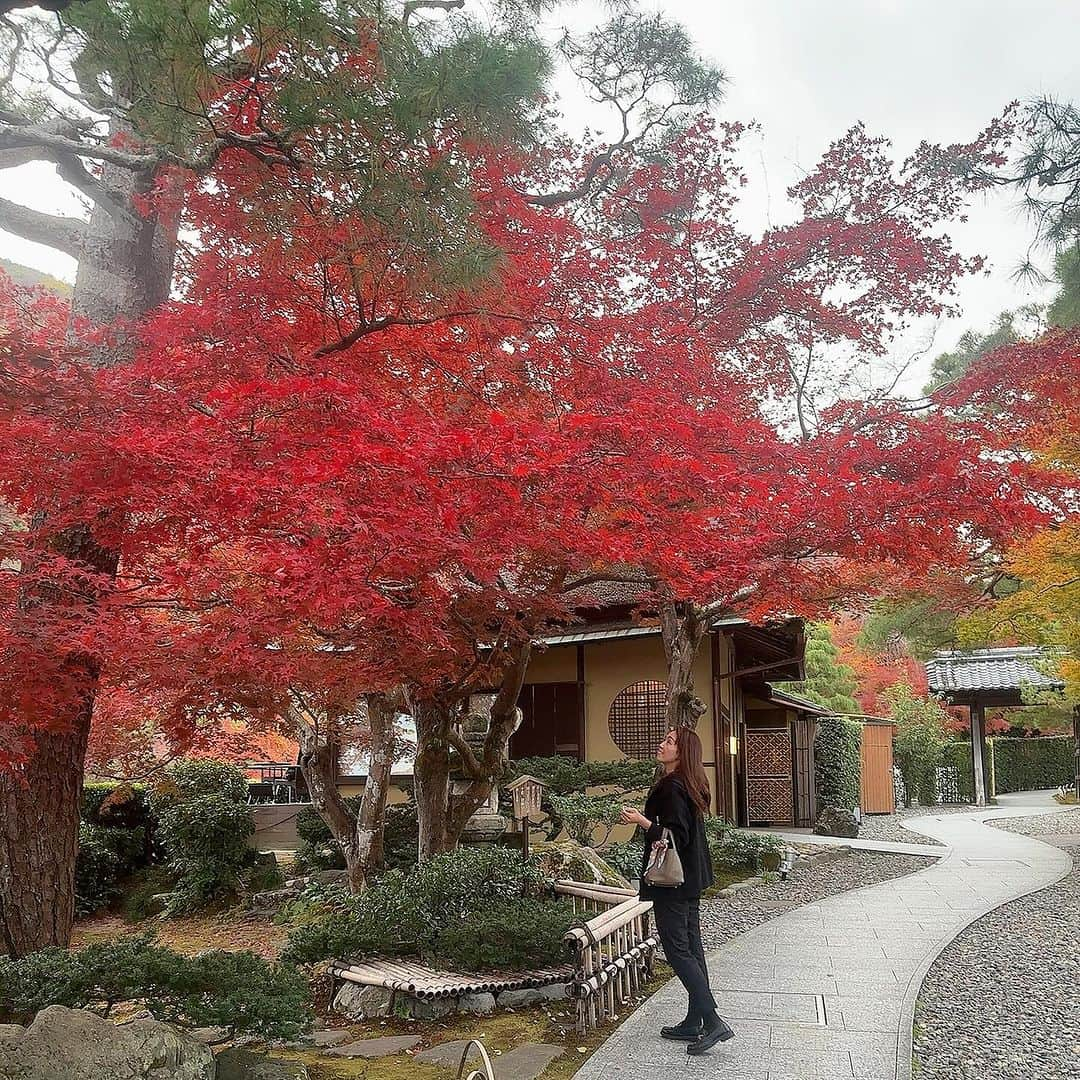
(905, 1037)
(376, 1002)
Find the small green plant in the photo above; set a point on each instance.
(235, 990)
(837, 762)
(203, 822)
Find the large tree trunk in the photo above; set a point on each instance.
(125, 268)
(320, 747)
(382, 710)
(684, 626)
(431, 773)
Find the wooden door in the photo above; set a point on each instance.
(770, 794)
(550, 721)
(878, 794)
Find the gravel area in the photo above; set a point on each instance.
(1001, 1002)
(723, 918)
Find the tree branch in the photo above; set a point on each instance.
(64, 234)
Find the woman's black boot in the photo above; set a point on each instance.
(714, 1031)
(685, 1031)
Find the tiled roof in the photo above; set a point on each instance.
(989, 669)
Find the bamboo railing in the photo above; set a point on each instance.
(613, 951)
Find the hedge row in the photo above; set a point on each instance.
(837, 762)
(1033, 764)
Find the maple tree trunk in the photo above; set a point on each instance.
(684, 627)
(431, 775)
(319, 750)
(371, 819)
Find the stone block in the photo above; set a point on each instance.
(362, 1002)
(428, 1008)
(236, 1063)
(483, 1004)
(534, 995)
(375, 1048)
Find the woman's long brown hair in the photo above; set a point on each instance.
(690, 769)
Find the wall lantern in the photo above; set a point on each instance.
(733, 745)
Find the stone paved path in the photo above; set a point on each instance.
(828, 991)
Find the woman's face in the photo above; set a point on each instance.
(667, 753)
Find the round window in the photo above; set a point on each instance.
(637, 719)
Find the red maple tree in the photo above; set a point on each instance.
(327, 479)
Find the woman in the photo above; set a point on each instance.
(678, 802)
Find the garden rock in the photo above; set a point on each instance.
(567, 860)
(483, 1004)
(533, 995)
(835, 821)
(73, 1044)
(210, 1035)
(362, 1002)
(376, 1048)
(266, 903)
(239, 1064)
(329, 1036)
(330, 877)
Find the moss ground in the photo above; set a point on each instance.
(499, 1033)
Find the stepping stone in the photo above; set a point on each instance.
(374, 1048)
(447, 1053)
(527, 1062)
(329, 1036)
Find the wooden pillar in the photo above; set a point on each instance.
(978, 752)
(1076, 751)
(582, 717)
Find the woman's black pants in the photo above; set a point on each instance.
(679, 929)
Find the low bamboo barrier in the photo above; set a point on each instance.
(611, 959)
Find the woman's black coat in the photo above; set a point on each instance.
(669, 806)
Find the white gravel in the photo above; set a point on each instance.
(723, 918)
(1002, 1002)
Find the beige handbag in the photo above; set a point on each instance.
(665, 867)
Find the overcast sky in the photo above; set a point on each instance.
(806, 70)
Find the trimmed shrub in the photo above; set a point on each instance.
(203, 822)
(115, 841)
(1033, 764)
(564, 775)
(97, 870)
(919, 741)
(739, 849)
(236, 990)
(507, 936)
(957, 755)
(626, 857)
(837, 762)
(405, 914)
(583, 816)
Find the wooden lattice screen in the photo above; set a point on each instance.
(637, 719)
(768, 777)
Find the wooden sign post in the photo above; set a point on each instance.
(527, 793)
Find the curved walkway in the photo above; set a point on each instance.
(828, 991)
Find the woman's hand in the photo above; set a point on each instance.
(630, 816)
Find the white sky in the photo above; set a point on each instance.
(806, 70)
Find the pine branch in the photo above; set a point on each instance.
(63, 234)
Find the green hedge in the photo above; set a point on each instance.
(1033, 764)
(236, 990)
(115, 841)
(837, 762)
(957, 755)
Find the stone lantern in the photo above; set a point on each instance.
(487, 825)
